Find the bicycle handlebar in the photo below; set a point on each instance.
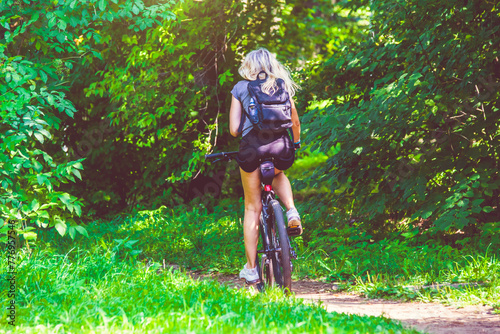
(221, 156)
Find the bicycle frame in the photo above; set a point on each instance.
(267, 174)
(267, 224)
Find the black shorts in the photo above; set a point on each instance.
(255, 146)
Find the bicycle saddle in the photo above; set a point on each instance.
(267, 172)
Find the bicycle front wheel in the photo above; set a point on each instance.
(283, 270)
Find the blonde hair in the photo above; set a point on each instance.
(263, 60)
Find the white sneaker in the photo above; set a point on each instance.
(293, 215)
(250, 275)
(294, 223)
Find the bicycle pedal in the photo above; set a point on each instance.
(249, 283)
(293, 231)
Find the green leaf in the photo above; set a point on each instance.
(102, 5)
(469, 193)
(82, 230)
(135, 9)
(427, 214)
(34, 205)
(444, 222)
(78, 165)
(487, 209)
(29, 235)
(130, 243)
(77, 173)
(43, 214)
(50, 99)
(61, 25)
(72, 232)
(38, 167)
(43, 76)
(477, 202)
(66, 199)
(61, 228)
(52, 22)
(78, 209)
(415, 76)
(411, 233)
(45, 133)
(39, 136)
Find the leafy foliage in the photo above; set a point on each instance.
(171, 85)
(44, 45)
(29, 103)
(163, 89)
(402, 117)
(414, 109)
(151, 86)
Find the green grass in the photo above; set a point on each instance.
(187, 236)
(489, 294)
(110, 282)
(86, 291)
(400, 269)
(396, 267)
(213, 242)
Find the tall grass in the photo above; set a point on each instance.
(213, 241)
(400, 267)
(187, 236)
(111, 279)
(86, 291)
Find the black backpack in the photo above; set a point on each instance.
(272, 113)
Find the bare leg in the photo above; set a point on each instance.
(253, 208)
(283, 189)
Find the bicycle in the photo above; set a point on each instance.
(275, 265)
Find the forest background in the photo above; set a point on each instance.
(110, 106)
(107, 109)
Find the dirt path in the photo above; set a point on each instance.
(426, 317)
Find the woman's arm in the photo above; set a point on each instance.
(295, 123)
(234, 117)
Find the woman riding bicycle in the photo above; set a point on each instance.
(255, 146)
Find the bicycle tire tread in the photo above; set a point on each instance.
(284, 244)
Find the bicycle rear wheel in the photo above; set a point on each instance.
(281, 261)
